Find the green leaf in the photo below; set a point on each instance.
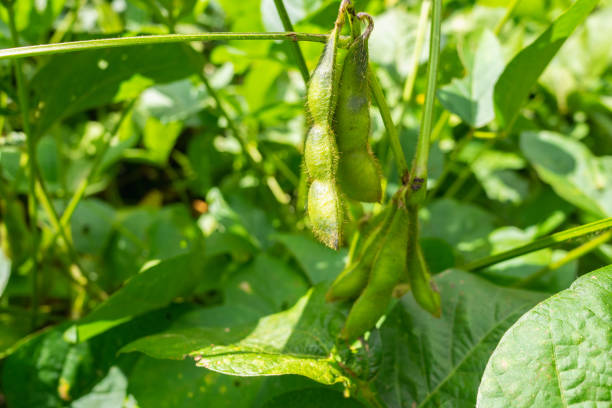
(471, 97)
(47, 371)
(429, 362)
(522, 73)
(319, 262)
(312, 398)
(464, 226)
(297, 341)
(151, 289)
(268, 285)
(170, 384)
(572, 170)
(559, 354)
(110, 392)
(72, 83)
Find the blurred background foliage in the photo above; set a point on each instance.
(194, 152)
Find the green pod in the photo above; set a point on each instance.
(320, 153)
(386, 272)
(325, 208)
(359, 173)
(359, 176)
(354, 278)
(325, 212)
(424, 289)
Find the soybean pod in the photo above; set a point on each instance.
(423, 287)
(325, 209)
(359, 174)
(354, 277)
(386, 272)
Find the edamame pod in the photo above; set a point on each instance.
(386, 271)
(325, 208)
(358, 170)
(354, 278)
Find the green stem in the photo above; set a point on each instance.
(509, 11)
(394, 141)
(545, 242)
(31, 148)
(67, 23)
(77, 275)
(66, 47)
(418, 176)
(418, 50)
(297, 52)
(570, 256)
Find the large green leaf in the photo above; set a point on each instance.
(151, 289)
(48, 371)
(312, 398)
(429, 362)
(522, 73)
(464, 226)
(319, 262)
(572, 170)
(472, 96)
(72, 83)
(297, 341)
(559, 354)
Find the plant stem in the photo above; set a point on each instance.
(66, 47)
(396, 147)
(82, 187)
(418, 174)
(418, 50)
(545, 242)
(31, 149)
(570, 256)
(509, 11)
(297, 52)
(67, 23)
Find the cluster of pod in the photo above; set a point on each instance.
(337, 156)
(389, 262)
(340, 164)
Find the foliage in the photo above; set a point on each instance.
(155, 249)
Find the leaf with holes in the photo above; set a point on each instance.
(296, 341)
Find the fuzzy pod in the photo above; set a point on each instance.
(386, 272)
(325, 212)
(359, 173)
(325, 207)
(359, 176)
(423, 287)
(354, 277)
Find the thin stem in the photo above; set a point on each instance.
(570, 256)
(93, 171)
(418, 174)
(31, 148)
(67, 23)
(545, 242)
(418, 50)
(297, 52)
(396, 147)
(509, 11)
(77, 273)
(74, 46)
